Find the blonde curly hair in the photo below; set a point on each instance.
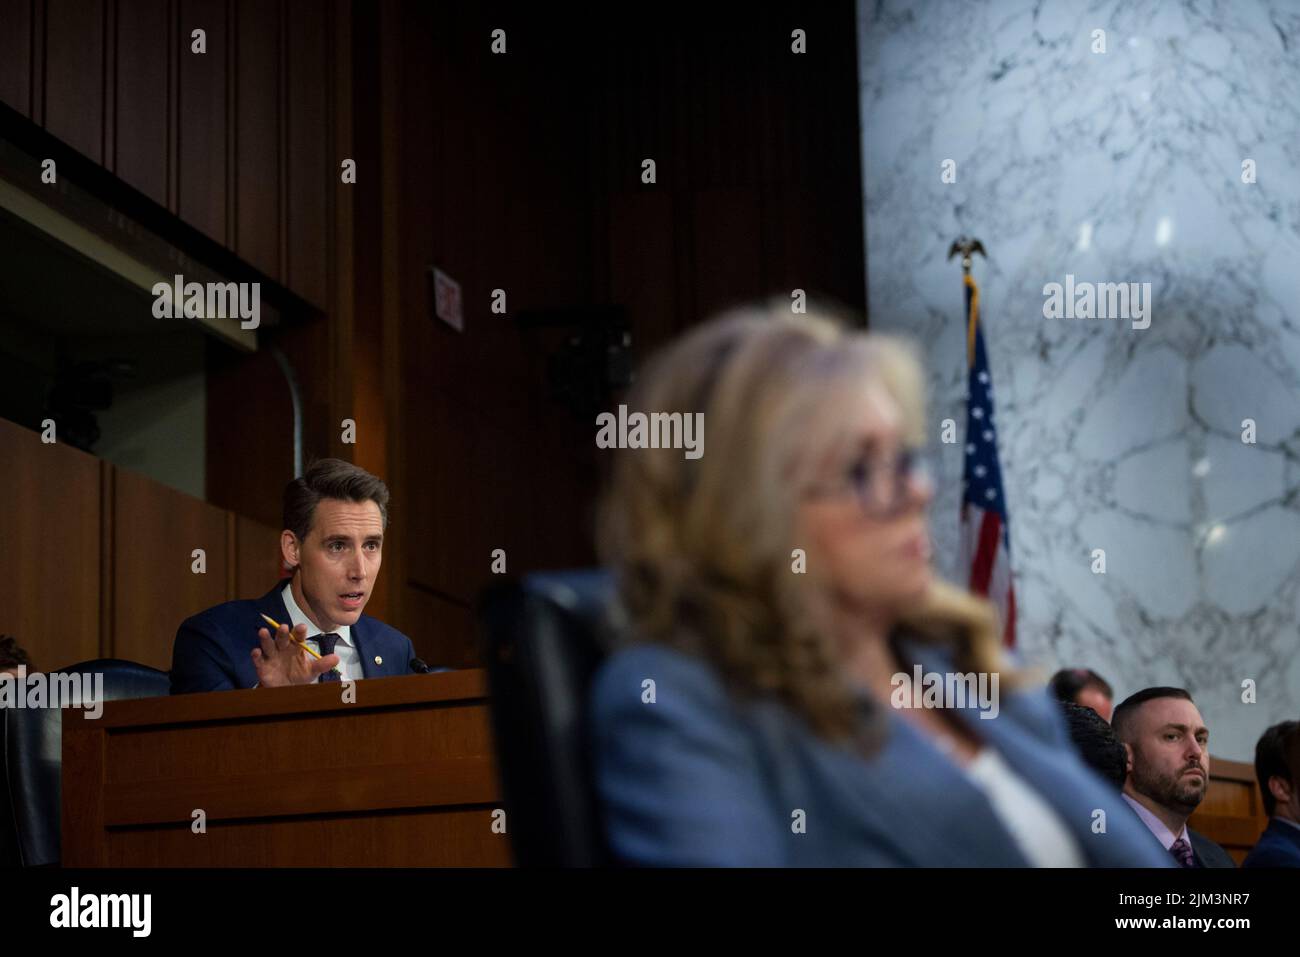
(702, 547)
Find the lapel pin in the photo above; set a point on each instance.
(379, 659)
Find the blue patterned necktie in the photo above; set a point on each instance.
(327, 643)
(1182, 852)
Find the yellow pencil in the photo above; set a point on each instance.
(301, 644)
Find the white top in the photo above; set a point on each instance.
(349, 655)
(1032, 822)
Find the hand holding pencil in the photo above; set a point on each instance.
(284, 659)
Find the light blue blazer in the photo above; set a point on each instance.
(698, 779)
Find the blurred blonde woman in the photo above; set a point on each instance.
(778, 589)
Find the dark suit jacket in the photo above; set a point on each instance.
(213, 648)
(1208, 853)
(1278, 846)
(698, 778)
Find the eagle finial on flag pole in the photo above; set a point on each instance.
(966, 247)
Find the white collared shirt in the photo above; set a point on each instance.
(1157, 826)
(349, 665)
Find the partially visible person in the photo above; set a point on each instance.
(1277, 766)
(1085, 687)
(1168, 749)
(13, 656)
(777, 588)
(334, 515)
(1096, 743)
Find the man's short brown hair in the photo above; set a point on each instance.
(1124, 718)
(1277, 754)
(330, 478)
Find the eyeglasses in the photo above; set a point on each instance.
(881, 487)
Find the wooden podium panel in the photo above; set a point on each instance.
(404, 776)
(1232, 814)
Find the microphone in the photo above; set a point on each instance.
(419, 667)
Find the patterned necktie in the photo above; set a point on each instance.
(327, 643)
(1182, 852)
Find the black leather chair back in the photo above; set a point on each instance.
(545, 636)
(31, 752)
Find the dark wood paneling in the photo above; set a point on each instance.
(412, 780)
(157, 529)
(640, 237)
(50, 560)
(107, 536)
(451, 838)
(257, 125)
(250, 419)
(1232, 814)
(74, 74)
(83, 801)
(728, 248)
(757, 153)
(16, 54)
(757, 149)
(307, 347)
(310, 168)
(257, 557)
(379, 265)
(141, 96)
(203, 121)
(498, 462)
(99, 558)
(249, 433)
(442, 629)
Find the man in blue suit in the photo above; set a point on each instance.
(334, 521)
(1277, 765)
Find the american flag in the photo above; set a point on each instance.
(985, 529)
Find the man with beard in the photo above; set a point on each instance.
(1168, 770)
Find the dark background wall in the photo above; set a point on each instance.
(523, 172)
(519, 171)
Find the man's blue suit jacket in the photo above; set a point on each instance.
(1278, 846)
(213, 648)
(698, 778)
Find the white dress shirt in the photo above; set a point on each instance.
(1157, 826)
(349, 665)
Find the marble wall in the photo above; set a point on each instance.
(1122, 166)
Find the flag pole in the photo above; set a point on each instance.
(968, 246)
(986, 543)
